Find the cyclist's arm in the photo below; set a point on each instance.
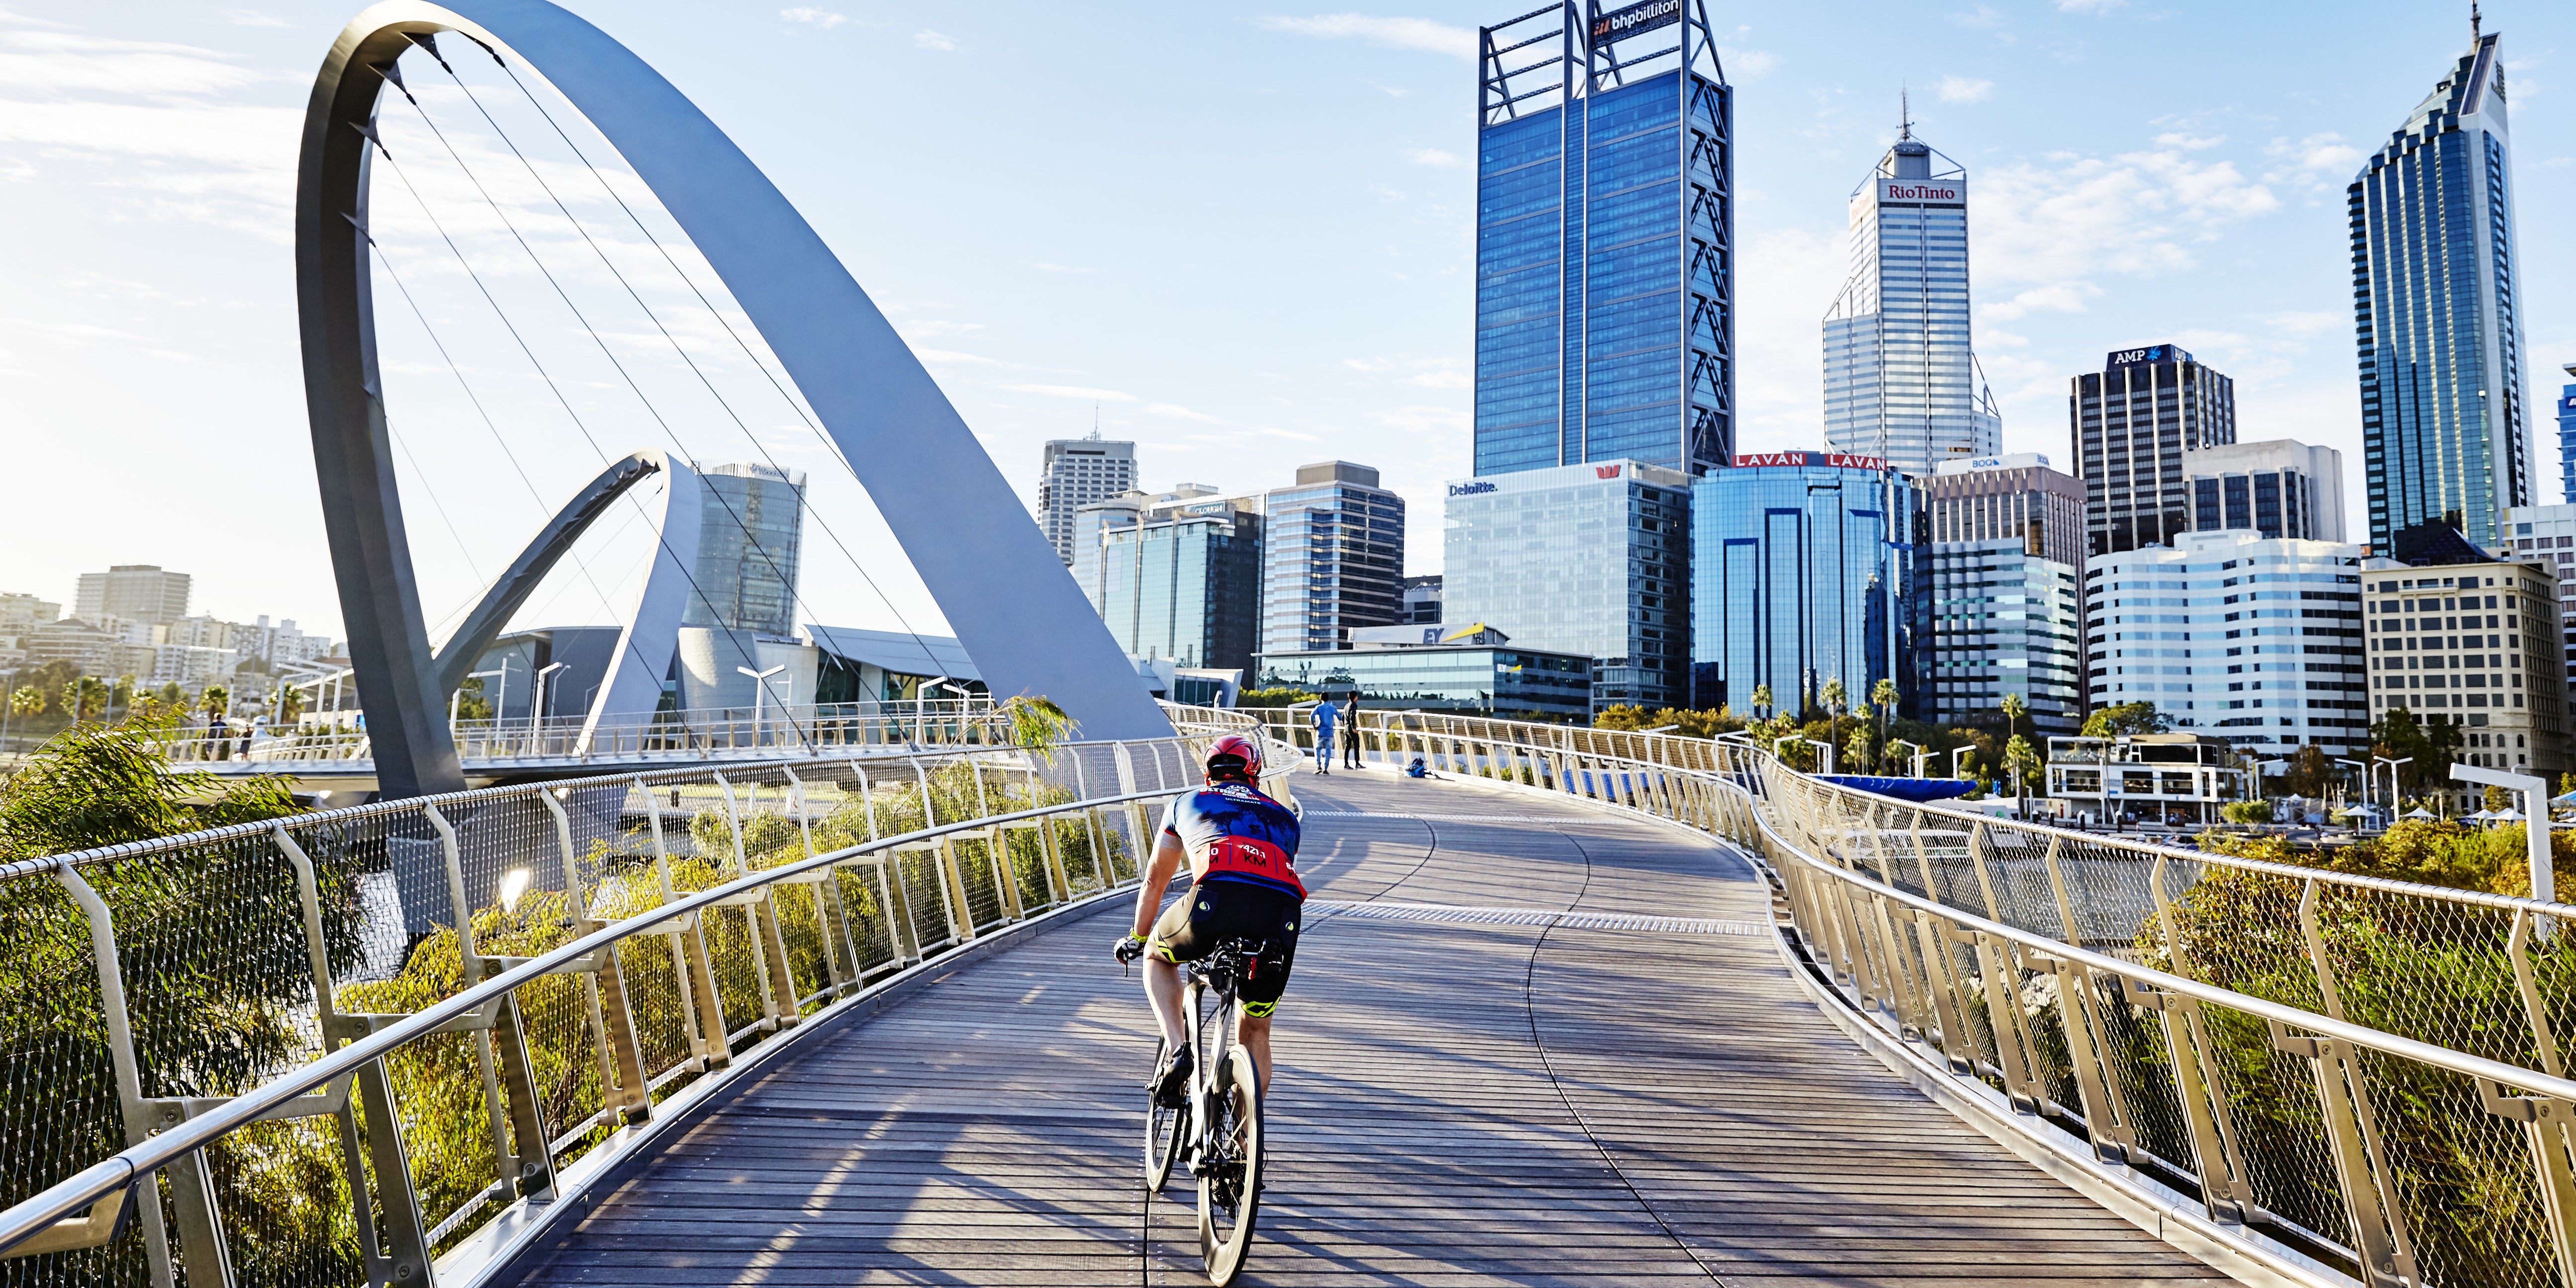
(1169, 857)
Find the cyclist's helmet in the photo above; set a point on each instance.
(1234, 756)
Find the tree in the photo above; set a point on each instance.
(290, 705)
(2025, 765)
(2311, 773)
(2014, 708)
(1762, 700)
(2128, 718)
(2427, 749)
(472, 705)
(1883, 696)
(215, 700)
(1858, 749)
(27, 701)
(86, 697)
(1832, 696)
(94, 786)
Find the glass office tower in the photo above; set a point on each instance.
(751, 526)
(1604, 241)
(2567, 438)
(1589, 559)
(1186, 588)
(1901, 379)
(1332, 558)
(1803, 572)
(2436, 316)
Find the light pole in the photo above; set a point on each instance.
(1921, 752)
(2394, 796)
(537, 700)
(1955, 753)
(8, 706)
(2365, 782)
(1826, 761)
(759, 688)
(459, 695)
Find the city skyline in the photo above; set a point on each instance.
(2220, 205)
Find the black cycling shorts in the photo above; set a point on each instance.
(1212, 912)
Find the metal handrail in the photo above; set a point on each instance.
(111, 1177)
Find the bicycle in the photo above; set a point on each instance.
(1217, 1126)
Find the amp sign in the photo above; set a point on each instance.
(1619, 24)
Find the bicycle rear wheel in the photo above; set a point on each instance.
(1230, 1180)
(1165, 1128)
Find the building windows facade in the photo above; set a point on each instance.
(1185, 589)
(1803, 572)
(2136, 426)
(1332, 558)
(1604, 245)
(1073, 473)
(1901, 379)
(2436, 319)
(1586, 559)
(2474, 645)
(2003, 621)
(2255, 640)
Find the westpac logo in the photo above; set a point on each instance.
(1606, 471)
(1470, 489)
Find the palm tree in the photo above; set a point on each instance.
(2023, 760)
(1883, 696)
(1832, 696)
(2014, 709)
(27, 701)
(1762, 699)
(1859, 745)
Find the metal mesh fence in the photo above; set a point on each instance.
(243, 953)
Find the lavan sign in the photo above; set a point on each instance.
(1837, 460)
(1931, 192)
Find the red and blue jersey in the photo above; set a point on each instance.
(1238, 834)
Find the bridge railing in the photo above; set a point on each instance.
(2372, 1072)
(706, 733)
(345, 1047)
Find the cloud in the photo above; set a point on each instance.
(822, 18)
(926, 328)
(1434, 156)
(929, 39)
(2063, 297)
(2302, 324)
(1962, 89)
(1393, 33)
(1174, 411)
(1747, 64)
(253, 18)
(1077, 391)
(2139, 214)
(2095, 7)
(1064, 268)
(953, 358)
(1981, 18)
(1417, 419)
(2190, 142)
(2318, 157)
(57, 62)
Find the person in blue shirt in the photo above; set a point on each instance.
(1241, 847)
(1324, 720)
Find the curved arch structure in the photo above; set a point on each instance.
(993, 573)
(457, 656)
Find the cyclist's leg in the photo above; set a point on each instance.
(1253, 1031)
(1163, 989)
(1176, 939)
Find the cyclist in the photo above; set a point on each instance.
(1242, 850)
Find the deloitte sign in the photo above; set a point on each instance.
(1474, 488)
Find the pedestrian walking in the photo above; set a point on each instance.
(1324, 722)
(1351, 732)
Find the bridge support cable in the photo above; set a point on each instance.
(682, 566)
(793, 404)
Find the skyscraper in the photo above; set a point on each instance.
(2436, 314)
(1901, 379)
(2137, 425)
(2567, 438)
(1185, 587)
(1604, 241)
(1073, 473)
(751, 529)
(2279, 487)
(131, 593)
(1332, 558)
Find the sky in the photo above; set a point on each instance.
(1238, 234)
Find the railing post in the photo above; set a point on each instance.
(612, 1012)
(2224, 1180)
(2545, 1122)
(760, 917)
(2088, 1035)
(2352, 1126)
(702, 1005)
(140, 1119)
(522, 1161)
(827, 897)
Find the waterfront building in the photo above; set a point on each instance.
(1803, 571)
(1992, 498)
(2278, 487)
(1504, 681)
(1586, 559)
(2003, 621)
(1073, 473)
(2545, 536)
(131, 593)
(1332, 558)
(2253, 639)
(1901, 378)
(750, 535)
(2136, 424)
(1184, 587)
(2437, 313)
(2465, 638)
(1605, 278)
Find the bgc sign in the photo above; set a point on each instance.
(1619, 24)
(1924, 192)
(1837, 460)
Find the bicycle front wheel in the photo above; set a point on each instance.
(1230, 1177)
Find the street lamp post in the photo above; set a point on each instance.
(459, 695)
(537, 707)
(1825, 762)
(759, 689)
(2365, 783)
(2395, 797)
(1955, 753)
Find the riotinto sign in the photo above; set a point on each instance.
(1619, 24)
(1932, 192)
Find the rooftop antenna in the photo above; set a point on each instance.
(1095, 418)
(1905, 104)
(2473, 21)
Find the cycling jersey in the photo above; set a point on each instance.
(1238, 833)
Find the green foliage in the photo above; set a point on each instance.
(92, 786)
(471, 704)
(28, 700)
(2127, 718)
(1039, 726)
(2246, 811)
(2311, 773)
(1672, 720)
(2428, 750)
(1281, 696)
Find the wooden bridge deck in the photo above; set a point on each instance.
(1457, 1104)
